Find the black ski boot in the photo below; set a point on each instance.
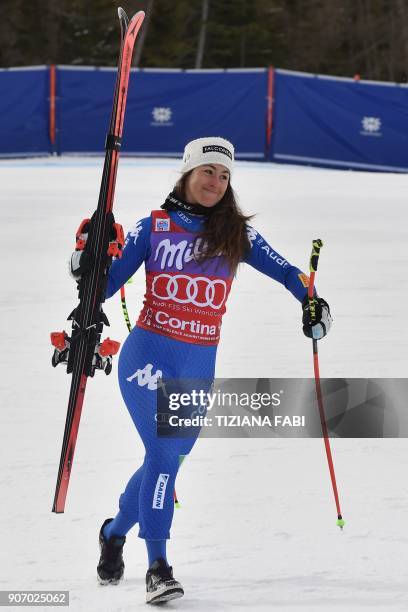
(160, 584)
(110, 567)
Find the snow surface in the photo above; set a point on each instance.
(257, 528)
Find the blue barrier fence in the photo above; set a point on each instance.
(165, 109)
(24, 112)
(341, 123)
(316, 120)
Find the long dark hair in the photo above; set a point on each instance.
(225, 228)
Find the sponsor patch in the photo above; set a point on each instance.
(160, 491)
(162, 225)
(304, 279)
(217, 149)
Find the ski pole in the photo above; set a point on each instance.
(314, 260)
(124, 307)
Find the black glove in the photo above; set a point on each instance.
(320, 326)
(80, 261)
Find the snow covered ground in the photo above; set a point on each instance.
(257, 528)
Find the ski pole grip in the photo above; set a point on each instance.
(314, 260)
(314, 257)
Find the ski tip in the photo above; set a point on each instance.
(139, 16)
(124, 21)
(123, 15)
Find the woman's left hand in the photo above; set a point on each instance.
(320, 325)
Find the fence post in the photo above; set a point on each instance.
(52, 98)
(269, 111)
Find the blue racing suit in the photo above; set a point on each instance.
(176, 337)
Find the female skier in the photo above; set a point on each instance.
(191, 248)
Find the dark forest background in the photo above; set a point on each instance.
(340, 37)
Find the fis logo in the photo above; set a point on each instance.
(162, 225)
(160, 491)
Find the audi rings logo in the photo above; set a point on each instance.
(200, 290)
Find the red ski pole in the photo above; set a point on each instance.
(314, 260)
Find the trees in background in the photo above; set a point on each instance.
(342, 37)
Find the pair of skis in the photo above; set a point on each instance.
(83, 352)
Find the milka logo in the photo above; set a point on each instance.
(178, 254)
(146, 377)
(160, 491)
